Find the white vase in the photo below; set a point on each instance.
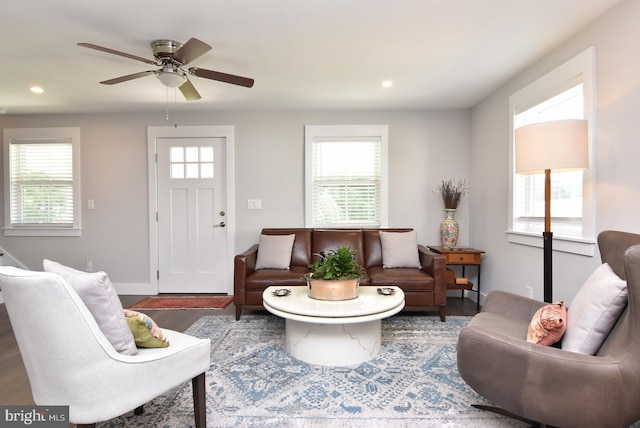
(449, 229)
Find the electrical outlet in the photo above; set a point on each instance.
(529, 292)
(88, 267)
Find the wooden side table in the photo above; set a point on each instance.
(462, 256)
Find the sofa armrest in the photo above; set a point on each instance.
(435, 265)
(243, 264)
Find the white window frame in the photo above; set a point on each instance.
(351, 132)
(42, 135)
(580, 68)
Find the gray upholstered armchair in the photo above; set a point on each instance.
(549, 385)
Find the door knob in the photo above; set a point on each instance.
(221, 224)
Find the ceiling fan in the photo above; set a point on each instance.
(171, 56)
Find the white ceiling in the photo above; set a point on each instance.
(303, 54)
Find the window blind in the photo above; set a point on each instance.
(41, 183)
(346, 182)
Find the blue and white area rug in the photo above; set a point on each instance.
(254, 382)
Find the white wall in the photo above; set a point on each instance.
(510, 266)
(425, 147)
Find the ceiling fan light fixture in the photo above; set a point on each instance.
(171, 78)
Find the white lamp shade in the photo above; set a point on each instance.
(171, 79)
(555, 145)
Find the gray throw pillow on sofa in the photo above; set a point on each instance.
(274, 251)
(400, 250)
(97, 293)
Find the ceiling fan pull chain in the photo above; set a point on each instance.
(175, 104)
(167, 117)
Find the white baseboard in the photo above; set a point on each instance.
(135, 289)
(1, 298)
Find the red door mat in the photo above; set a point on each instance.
(191, 302)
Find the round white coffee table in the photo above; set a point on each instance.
(333, 333)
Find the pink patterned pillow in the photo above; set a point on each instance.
(548, 324)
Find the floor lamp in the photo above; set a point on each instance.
(560, 145)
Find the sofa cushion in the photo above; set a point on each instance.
(405, 278)
(263, 278)
(400, 250)
(594, 311)
(97, 293)
(274, 251)
(548, 324)
(325, 240)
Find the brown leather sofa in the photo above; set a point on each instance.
(425, 289)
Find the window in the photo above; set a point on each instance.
(565, 93)
(41, 182)
(346, 176)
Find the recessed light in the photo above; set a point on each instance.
(387, 84)
(36, 89)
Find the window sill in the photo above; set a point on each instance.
(583, 247)
(11, 231)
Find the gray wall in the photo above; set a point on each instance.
(425, 147)
(617, 138)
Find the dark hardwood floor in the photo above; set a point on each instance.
(14, 384)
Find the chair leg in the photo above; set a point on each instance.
(199, 400)
(442, 313)
(139, 410)
(238, 312)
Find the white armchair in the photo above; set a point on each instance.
(69, 361)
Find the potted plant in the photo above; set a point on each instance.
(452, 193)
(335, 276)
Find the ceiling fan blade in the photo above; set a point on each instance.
(114, 52)
(189, 91)
(191, 50)
(222, 77)
(127, 77)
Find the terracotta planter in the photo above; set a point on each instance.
(320, 289)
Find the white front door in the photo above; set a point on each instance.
(192, 233)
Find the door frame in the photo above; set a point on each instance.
(155, 132)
